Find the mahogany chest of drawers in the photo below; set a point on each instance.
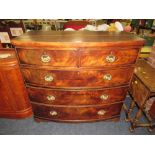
(77, 76)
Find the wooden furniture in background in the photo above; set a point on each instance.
(77, 76)
(1, 45)
(14, 102)
(142, 89)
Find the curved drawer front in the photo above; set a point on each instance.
(80, 97)
(56, 58)
(113, 57)
(83, 78)
(74, 113)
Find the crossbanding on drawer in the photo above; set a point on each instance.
(76, 97)
(83, 78)
(74, 113)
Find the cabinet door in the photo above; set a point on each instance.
(14, 101)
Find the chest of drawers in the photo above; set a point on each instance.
(77, 76)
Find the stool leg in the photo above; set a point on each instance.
(127, 119)
(135, 120)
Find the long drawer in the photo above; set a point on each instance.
(78, 78)
(74, 113)
(76, 97)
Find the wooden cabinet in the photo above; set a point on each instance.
(14, 102)
(142, 92)
(77, 76)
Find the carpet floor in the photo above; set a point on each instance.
(29, 127)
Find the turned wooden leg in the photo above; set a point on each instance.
(138, 115)
(127, 119)
(135, 120)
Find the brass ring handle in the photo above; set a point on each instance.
(101, 112)
(4, 56)
(110, 58)
(104, 97)
(48, 78)
(107, 77)
(45, 58)
(50, 98)
(53, 113)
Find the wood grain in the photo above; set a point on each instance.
(74, 113)
(97, 58)
(14, 102)
(82, 78)
(77, 97)
(59, 58)
(77, 39)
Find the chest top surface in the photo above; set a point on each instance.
(146, 73)
(77, 39)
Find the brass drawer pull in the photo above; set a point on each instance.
(50, 98)
(110, 58)
(45, 58)
(53, 113)
(49, 78)
(4, 56)
(101, 112)
(136, 82)
(107, 77)
(104, 97)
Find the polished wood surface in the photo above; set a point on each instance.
(81, 57)
(59, 58)
(77, 114)
(14, 102)
(82, 78)
(77, 39)
(142, 91)
(77, 97)
(141, 94)
(98, 58)
(77, 76)
(146, 73)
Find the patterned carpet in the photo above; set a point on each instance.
(29, 127)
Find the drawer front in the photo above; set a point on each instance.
(73, 113)
(56, 58)
(138, 90)
(79, 97)
(83, 78)
(98, 58)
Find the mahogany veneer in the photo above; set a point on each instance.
(77, 76)
(14, 102)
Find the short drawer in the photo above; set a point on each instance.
(56, 58)
(81, 78)
(74, 113)
(77, 97)
(109, 57)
